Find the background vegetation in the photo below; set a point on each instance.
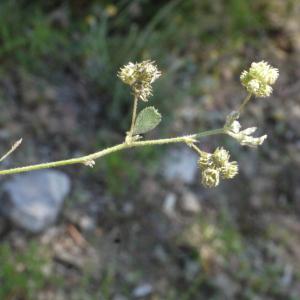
(59, 91)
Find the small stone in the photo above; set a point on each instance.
(180, 164)
(87, 223)
(142, 290)
(33, 200)
(128, 208)
(190, 203)
(169, 205)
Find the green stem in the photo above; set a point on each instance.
(245, 102)
(188, 139)
(209, 132)
(135, 104)
(193, 146)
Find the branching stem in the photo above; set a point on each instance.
(188, 139)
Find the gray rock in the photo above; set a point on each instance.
(190, 203)
(142, 290)
(33, 200)
(180, 164)
(169, 205)
(87, 223)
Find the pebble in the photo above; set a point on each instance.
(142, 290)
(190, 203)
(180, 164)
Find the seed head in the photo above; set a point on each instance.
(229, 170)
(220, 157)
(140, 77)
(205, 160)
(216, 165)
(259, 78)
(210, 177)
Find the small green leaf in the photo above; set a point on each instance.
(146, 120)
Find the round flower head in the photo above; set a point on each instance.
(140, 77)
(259, 78)
(127, 74)
(229, 170)
(216, 165)
(221, 157)
(210, 177)
(205, 160)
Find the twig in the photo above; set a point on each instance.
(12, 149)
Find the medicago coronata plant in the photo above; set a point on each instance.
(258, 81)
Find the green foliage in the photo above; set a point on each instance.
(34, 33)
(21, 273)
(244, 16)
(28, 36)
(147, 120)
(117, 168)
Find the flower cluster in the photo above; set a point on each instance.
(259, 78)
(244, 137)
(140, 77)
(215, 166)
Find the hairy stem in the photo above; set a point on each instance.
(188, 139)
(193, 146)
(208, 133)
(245, 102)
(135, 104)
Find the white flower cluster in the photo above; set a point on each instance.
(244, 137)
(259, 78)
(140, 77)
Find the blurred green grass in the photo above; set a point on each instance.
(22, 272)
(47, 39)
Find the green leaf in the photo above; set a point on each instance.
(146, 120)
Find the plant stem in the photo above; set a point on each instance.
(209, 132)
(193, 146)
(135, 104)
(188, 139)
(245, 102)
(11, 150)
